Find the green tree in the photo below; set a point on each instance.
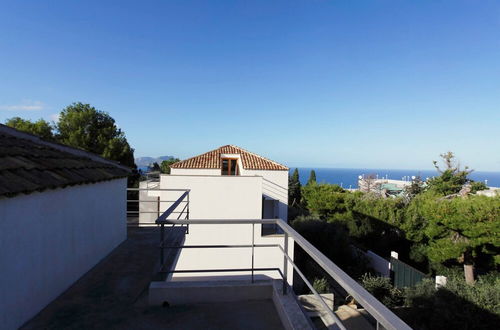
(461, 229)
(165, 165)
(155, 167)
(41, 128)
(477, 185)
(83, 126)
(294, 189)
(324, 200)
(312, 178)
(416, 187)
(452, 177)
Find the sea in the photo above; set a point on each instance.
(348, 177)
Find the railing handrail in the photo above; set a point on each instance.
(155, 189)
(216, 175)
(379, 311)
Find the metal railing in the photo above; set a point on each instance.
(135, 203)
(383, 316)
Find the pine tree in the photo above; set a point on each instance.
(294, 187)
(312, 178)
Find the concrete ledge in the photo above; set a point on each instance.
(312, 306)
(199, 292)
(291, 315)
(195, 292)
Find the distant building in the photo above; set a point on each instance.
(490, 192)
(61, 211)
(386, 187)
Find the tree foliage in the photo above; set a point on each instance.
(324, 200)
(416, 187)
(430, 227)
(294, 189)
(154, 167)
(452, 177)
(462, 228)
(41, 127)
(455, 306)
(83, 126)
(312, 178)
(165, 165)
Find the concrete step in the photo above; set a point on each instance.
(352, 318)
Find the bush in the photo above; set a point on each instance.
(321, 285)
(332, 239)
(456, 306)
(382, 289)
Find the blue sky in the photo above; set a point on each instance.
(377, 84)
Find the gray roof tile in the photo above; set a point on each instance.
(27, 165)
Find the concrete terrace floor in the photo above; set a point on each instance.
(113, 295)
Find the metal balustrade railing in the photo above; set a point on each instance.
(136, 201)
(384, 317)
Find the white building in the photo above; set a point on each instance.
(61, 211)
(226, 183)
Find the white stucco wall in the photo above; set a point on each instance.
(50, 239)
(274, 186)
(194, 171)
(214, 196)
(150, 202)
(223, 197)
(217, 197)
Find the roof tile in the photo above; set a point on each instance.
(27, 166)
(212, 160)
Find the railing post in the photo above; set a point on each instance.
(253, 245)
(285, 264)
(158, 207)
(187, 214)
(162, 236)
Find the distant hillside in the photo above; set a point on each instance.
(145, 161)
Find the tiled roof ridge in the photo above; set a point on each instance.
(175, 165)
(254, 154)
(210, 160)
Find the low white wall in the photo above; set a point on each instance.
(379, 264)
(149, 207)
(50, 239)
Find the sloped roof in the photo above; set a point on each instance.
(212, 160)
(28, 164)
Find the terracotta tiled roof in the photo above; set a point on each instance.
(212, 160)
(28, 164)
